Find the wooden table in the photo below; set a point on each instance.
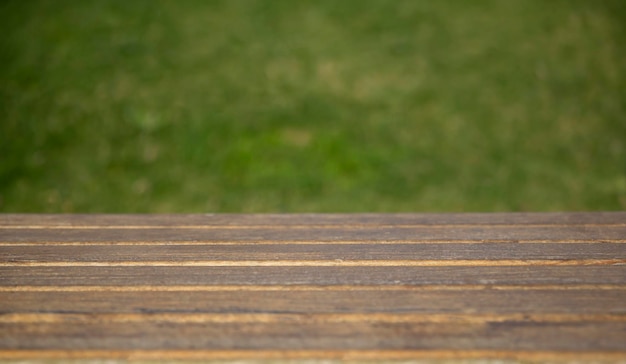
(536, 287)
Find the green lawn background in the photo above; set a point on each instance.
(312, 105)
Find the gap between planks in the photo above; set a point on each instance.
(343, 355)
(306, 318)
(303, 226)
(326, 263)
(301, 288)
(311, 242)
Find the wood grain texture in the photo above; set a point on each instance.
(308, 300)
(313, 234)
(521, 286)
(340, 220)
(322, 276)
(320, 252)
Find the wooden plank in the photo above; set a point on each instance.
(309, 252)
(315, 300)
(548, 286)
(318, 234)
(341, 220)
(306, 332)
(322, 276)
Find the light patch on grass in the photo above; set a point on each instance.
(296, 137)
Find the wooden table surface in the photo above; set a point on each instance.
(518, 286)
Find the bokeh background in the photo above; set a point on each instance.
(312, 105)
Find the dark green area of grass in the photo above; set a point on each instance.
(312, 105)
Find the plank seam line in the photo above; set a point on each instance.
(322, 263)
(265, 354)
(316, 242)
(300, 227)
(304, 318)
(299, 288)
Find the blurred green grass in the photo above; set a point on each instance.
(312, 105)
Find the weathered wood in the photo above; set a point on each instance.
(310, 252)
(441, 233)
(322, 276)
(311, 332)
(459, 300)
(537, 287)
(341, 220)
